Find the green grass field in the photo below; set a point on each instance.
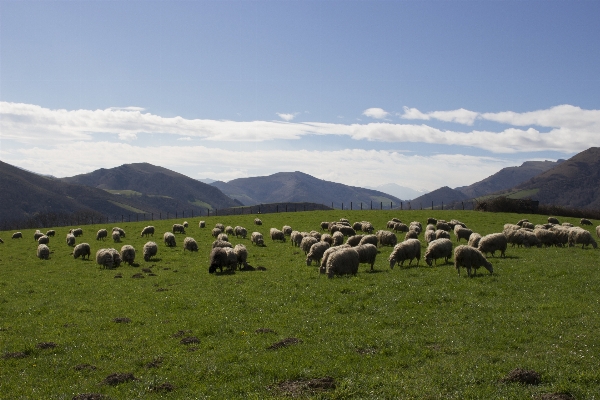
(412, 333)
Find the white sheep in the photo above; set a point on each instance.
(257, 221)
(128, 254)
(470, 257)
(492, 243)
(326, 237)
(185, 224)
(528, 225)
(190, 244)
(104, 257)
(222, 257)
(411, 235)
(367, 227)
(442, 234)
(316, 252)
(169, 239)
(567, 224)
(147, 231)
(399, 227)
(149, 251)
(229, 230)
(408, 250)
(581, 236)
(76, 232)
(221, 243)
(327, 253)
(216, 232)
(70, 239)
(287, 230)
(342, 262)
(276, 234)
(101, 234)
(372, 239)
(306, 243)
(44, 240)
(437, 249)
(121, 231)
(474, 239)
(257, 239)
(462, 233)
(354, 240)
(553, 220)
(585, 221)
(116, 236)
(43, 252)
(324, 226)
(178, 228)
(296, 238)
(17, 235)
(520, 223)
(240, 231)
(37, 234)
(338, 238)
(387, 238)
(241, 253)
(430, 235)
(443, 226)
(366, 254)
(202, 224)
(82, 249)
(547, 237)
(51, 233)
(220, 226)
(598, 231)
(223, 237)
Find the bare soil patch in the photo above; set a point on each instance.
(189, 340)
(122, 320)
(180, 334)
(46, 345)
(264, 330)
(17, 354)
(556, 396)
(146, 270)
(117, 378)
(162, 289)
(157, 362)
(526, 377)
(138, 275)
(163, 387)
(119, 275)
(284, 343)
(90, 396)
(152, 274)
(83, 367)
(366, 351)
(261, 268)
(304, 387)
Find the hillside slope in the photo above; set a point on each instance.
(158, 184)
(443, 195)
(299, 187)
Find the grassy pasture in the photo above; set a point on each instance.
(419, 332)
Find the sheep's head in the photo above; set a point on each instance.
(488, 266)
(212, 269)
(428, 260)
(392, 263)
(308, 261)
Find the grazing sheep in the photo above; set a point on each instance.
(52, 232)
(229, 230)
(528, 225)
(316, 252)
(328, 252)
(276, 234)
(1, 241)
(257, 239)
(222, 257)
(76, 232)
(529, 239)
(121, 231)
(512, 227)
(366, 254)
(405, 251)
(431, 221)
(430, 227)
(585, 221)
(116, 257)
(148, 231)
(411, 235)
(324, 226)
(82, 249)
(416, 226)
(357, 226)
(149, 251)
(202, 224)
(101, 234)
(44, 240)
(128, 254)
(354, 240)
(37, 235)
(70, 239)
(185, 224)
(442, 234)
(347, 230)
(366, 226)
(296, 238)
(390, 224)
(443, 226)
(178, 228)
(474, 239)
(567, 224)
(492, 243)
(306, 243)
(315, 234)
(287, 230)
(547, 237)
(326, 237)
(241, 253)
(455, 222)
(43, 252)
(396, 220)
(104, 258)
(372, 239)
(470, 257)
(221, 243)
(257, 221)
(437, 249)
(216, 232)
(240, 231)
(342, 262)
(520, 223)
(17, 235)
(344, 220)
(116, 236)
(338, 238)
(430, 236)
(223, 237)
(582, 237)
(400, 227)
(553, 220)
(190, 244)
(462, 233)
(220, 226)
(169, 239)
(598, 231)
(386, 238)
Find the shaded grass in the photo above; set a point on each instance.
(404, 333)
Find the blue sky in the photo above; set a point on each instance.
(418, 93)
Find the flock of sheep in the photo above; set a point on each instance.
(335, 257)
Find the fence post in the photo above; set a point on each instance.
(175, 214)
(442, 206)
(277, 208)
(432, 204)
(129, 217)
(381, 205)
(92, 220)
(350, 206)
(361, 205)
(400, 205)
(183, 214)
(192, 213)
(332, 204)
(160, 215)
(122, 218)
(286, 208)
(391, 206)
(152, 216)
(463, 204)
(371, 204)
(342, 206)
(304, 207)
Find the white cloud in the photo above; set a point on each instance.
(185, 138)
(413, 113)
(377, 113)
(127, 136)
(460, 116)
(287, 117)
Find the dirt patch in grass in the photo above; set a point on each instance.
(119, 275)
(304, 387)
(46, 345)
(261, 268)
(264, 330)
(163, 387)
(284, 343)
(122, 320)
(157, 362)
(90, 396)
(162, 289)
(166, 268)
(84, 367)
(556, 396)
(17, 354)
(189, 340)
(366, 351)
(151, 274)
(138, 276)
(118, 378)
(526, 377)
(180, 334)
(146, 270)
